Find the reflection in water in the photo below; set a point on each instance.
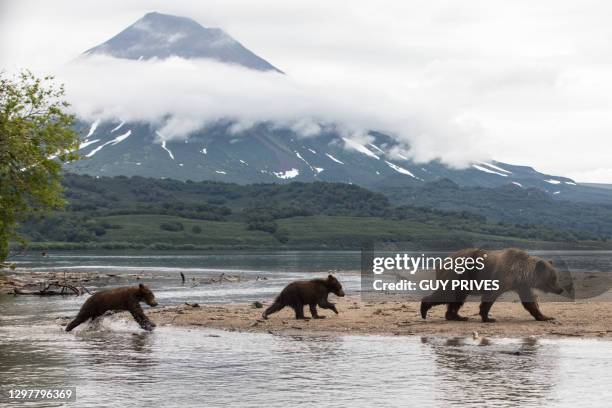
(495, 375)
(103, 346)
(123, 366)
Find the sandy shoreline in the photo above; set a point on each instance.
(361, 316)
(357, 317)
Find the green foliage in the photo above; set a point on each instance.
(512, 209)
(34, 129)
(106, 212)
(69, 228)
(265, 226)
(172, 226)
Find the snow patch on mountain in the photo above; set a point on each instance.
(93, 128)
(400, 170)
(359, 147)
(163, 146)
(477, 167)
(333, 158)
(517, 184)
(113, 142)
(494, 167)
(122, 137)
(88, 143)
(377, 148)
(553, 181)
(289, 174)
(118, 127)
(299, 156)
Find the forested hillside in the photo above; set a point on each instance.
(139, 212)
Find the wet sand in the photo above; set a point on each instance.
(591, 317)
(574, 319)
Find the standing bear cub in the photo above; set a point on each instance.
(514, 269)
(126, 298)
(311, 292)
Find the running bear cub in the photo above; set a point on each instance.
(312, 292)
(126, 298)
(516, 271)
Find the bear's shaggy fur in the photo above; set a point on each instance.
(125, 298)
(513, 268)
(312, 292)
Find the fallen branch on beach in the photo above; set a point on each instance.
(51, 289)
(222, 278)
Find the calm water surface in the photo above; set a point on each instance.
(116, 364)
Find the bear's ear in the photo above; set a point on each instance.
(141, 286)
(551, 262)
(540, 266)
(330, 277)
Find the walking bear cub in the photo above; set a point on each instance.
(311, 292)
(515, 270)
(126, 298)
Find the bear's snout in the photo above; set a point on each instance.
(340, 293)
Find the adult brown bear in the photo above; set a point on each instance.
(312, 292)
(513, 268)
(125, 298)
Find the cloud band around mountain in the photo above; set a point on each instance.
(182, 96)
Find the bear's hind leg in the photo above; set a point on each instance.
(313, 311)
(299, 311)
(485, 307)
(430, 301)
(77, 321)
(274, 307)
(452, 312)
(452, 309)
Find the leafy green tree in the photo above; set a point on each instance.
(36, 136)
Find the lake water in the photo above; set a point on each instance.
(117, 364)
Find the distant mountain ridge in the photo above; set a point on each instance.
(267, 153)
(158, 35)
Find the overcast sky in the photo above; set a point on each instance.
(525, 82)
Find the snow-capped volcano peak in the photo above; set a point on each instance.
(158, 35)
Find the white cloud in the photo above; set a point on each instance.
(181, 96)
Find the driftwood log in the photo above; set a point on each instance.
(222, 278)
(53, 289)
